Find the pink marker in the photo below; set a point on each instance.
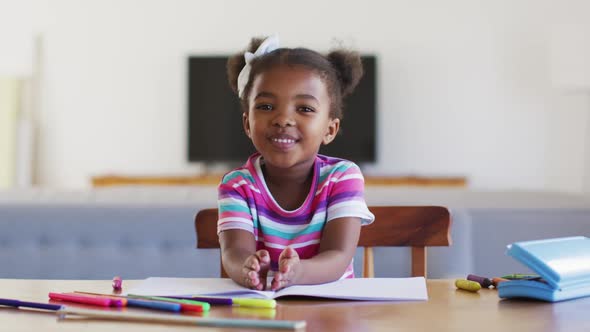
(102, 302)
(115, 301)
(117, 283)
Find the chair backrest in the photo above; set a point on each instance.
(417, 227)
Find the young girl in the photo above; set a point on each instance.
(290, 211)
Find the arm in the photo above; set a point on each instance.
(337, 247)
(235, 228)
(241, 261)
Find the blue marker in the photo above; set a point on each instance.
(157, 305)
(35, 305)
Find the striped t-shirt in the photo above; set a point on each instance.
(245, 202)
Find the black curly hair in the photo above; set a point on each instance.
(341, 69)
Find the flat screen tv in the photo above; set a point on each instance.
(215, 133)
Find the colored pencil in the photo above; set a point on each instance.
(167, 319)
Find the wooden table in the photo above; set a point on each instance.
(447, 310)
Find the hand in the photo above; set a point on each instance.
(255, 269)
(289, 264)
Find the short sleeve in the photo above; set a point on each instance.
(347, 194)
(234, 212)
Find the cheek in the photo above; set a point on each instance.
(322, 128)
(256, 130)
(253, 125)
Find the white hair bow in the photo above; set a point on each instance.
(268, 45)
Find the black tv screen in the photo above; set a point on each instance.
(215, 132)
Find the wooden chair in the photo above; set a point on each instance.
(395, 226)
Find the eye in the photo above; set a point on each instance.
(306, 109)
(264, 107)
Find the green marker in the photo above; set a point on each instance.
(206, 306)
(516, 276)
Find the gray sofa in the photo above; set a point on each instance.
(138, 232)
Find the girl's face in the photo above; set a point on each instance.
(288, 116)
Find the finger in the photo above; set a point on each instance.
(279, 281)
(263, 256)
(252, 263)
(289, 252)
(246, 270)
(285, 268)
(251, 280)
(279, 276)
(283, 254)
(252, 284)
(284, 265)
(261, 285)
(246, 279)
(263, 275)
(258, 281)
(253, 276)
(247, 267)
(274, 285)
(264, 266)
(250, 271)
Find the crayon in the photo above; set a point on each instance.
(484, 282)
(467, 285)
(496, 281)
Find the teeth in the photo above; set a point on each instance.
(283, 140)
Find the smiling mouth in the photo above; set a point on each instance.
(283, 140)
(283, 143)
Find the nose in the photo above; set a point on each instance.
(283, 118)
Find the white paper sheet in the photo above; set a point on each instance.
(368, 289)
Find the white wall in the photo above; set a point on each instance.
(464, 87)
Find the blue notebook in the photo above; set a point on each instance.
(563, 265)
